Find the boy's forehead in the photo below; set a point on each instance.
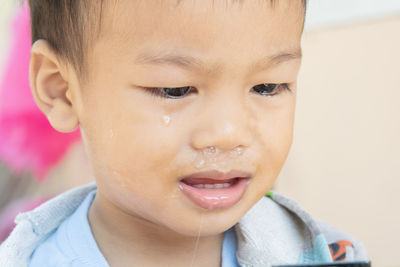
(139, 16)
(155, 30)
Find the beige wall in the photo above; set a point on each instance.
(345, 163)
(6, 11)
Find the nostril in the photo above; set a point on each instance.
(237, 151)
(225, 137)
(211, 150)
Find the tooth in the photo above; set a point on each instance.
(212, 186)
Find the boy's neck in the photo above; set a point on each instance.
(125, 240)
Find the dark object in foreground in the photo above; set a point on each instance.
(333, 264)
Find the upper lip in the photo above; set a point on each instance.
(216, 175)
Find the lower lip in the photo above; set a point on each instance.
(214, 198)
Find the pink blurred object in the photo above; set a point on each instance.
(27, 140)
(11, 211)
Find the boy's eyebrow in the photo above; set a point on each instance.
(179, 59)
(190, 62)
(276, 59)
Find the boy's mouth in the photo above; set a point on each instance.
(215, 190)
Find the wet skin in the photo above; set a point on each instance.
(141, 141)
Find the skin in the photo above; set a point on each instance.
(139, 216)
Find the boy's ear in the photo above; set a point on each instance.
(50, 88)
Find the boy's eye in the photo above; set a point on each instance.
(265, 89)
(270, 89)
(177, 92)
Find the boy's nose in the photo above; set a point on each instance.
(225, 126)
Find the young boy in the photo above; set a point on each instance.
(186, 109)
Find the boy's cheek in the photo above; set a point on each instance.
(274, 128)
(137, 155)
(274, 136)
(133, 151)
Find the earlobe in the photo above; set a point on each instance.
(50, 88)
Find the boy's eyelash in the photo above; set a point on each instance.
(160, 91)
(272, 89)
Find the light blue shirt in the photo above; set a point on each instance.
(229, 246)
(72, 244)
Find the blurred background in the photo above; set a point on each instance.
(344, 166)
(36, 162)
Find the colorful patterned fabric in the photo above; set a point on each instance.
(339, 248)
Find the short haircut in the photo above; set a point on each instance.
(70, 27)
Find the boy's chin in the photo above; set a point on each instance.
(203, 226)
(203, 231)
(210, 222)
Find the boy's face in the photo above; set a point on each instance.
(141, 144)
